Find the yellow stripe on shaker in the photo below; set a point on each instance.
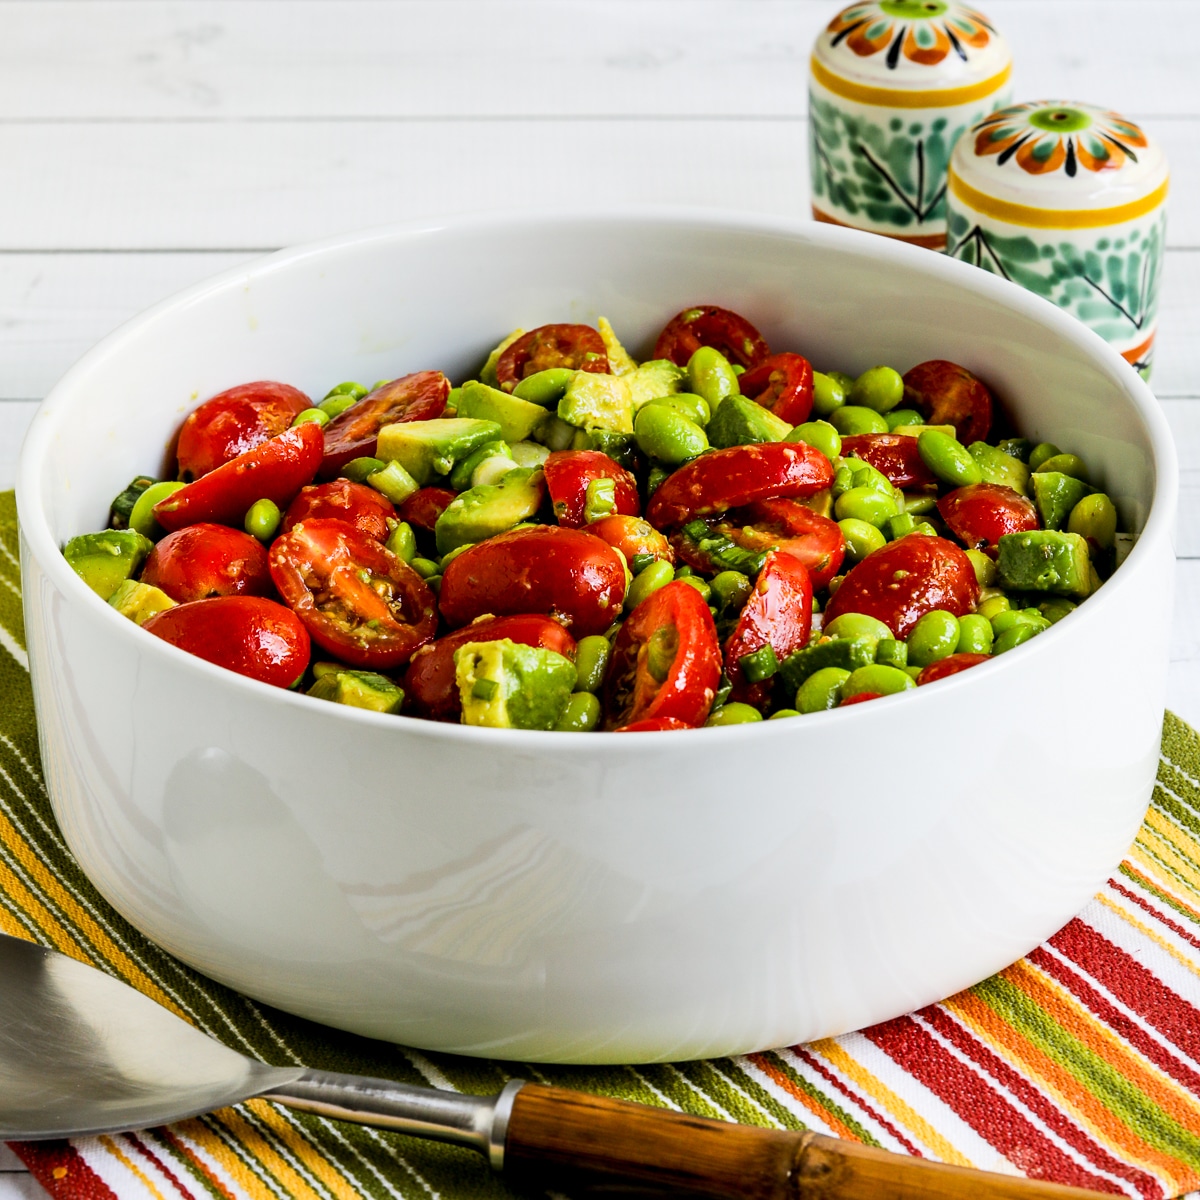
(905, 98)
(1050, 218)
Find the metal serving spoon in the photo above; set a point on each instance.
(82, 1053)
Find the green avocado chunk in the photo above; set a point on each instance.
(594, 401)
(517, 418)
(424, 448)
(509, 686)
(359, 689)
(487, 372)
(122, 506)
(740, 422)
(105, 560)
(1000, 468)
(658, 377)
(1055, 494)
(846, 653)
(139, 601)
(1044, 560)
(481, 512)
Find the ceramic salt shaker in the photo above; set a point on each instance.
(1068, 200)
(892, 85)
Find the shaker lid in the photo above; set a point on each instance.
(934, 52)
(1053, 156)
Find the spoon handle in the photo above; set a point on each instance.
(608, 1142)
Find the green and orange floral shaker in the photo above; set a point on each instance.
(892, 85)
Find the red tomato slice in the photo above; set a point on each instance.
(980, 514)
(951, 665)
(355, 433)
(902, 581)
(576, 347)
(791, 528)
(724, 479)
(565, 573)
(666, 661)
(784, 384)
(208, 560)
(632, 536)
(358, 600)
(235, 421)
(946, 394)
(778, 614)
(859, 697)
(708, 325)
(652, 725)
(430, 682)
(422, 509)
(891, 454)
(341, 500)
(275, 470)
(247, 634)
(568, 473)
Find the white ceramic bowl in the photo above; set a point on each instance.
(579, 897)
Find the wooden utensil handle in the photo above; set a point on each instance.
(612, 1145)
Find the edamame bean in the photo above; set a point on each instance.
(1003, 622)
(861, 537)
(948, 459)
(591, 661)
(694, 407)
(734, 713)
(402, 542)
(985, 569)
(1064, 464)
(544, 387)
(262, 519)
(1040, 453)
(887, 681)
(711, 377)
(700, 585)
(878, 388)
(1054, 610)
(732, 589)
(828, 394)
(919, 503)
(865, 504)
(975, 635)
(990, 608)
(934, 637)
(581, 715)
(317, 416)
(859, 627)
(853, 419)
(357, 469)
(1018, 448)
(334, 406)
(657, 575)
(1095, 518)
(667, 435)
(891, 653)
(840, 377)
(1014, 637)
(782, 713)
(141, 516)
(820, 435)
(434, 582)
(899, 417)
(684, 571)
(355, 391)
(424, 567)
(821, 690)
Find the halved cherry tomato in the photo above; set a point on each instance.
(568, 473)
(359, 601)
(859, 697)
(950, 665)
(342, 500)
(724, 479)
(891, 454)
(982, 513)
(947, 394)
(666, 661)
(355, 433)
(784, 384)
(274, 470)
(565, 573)
(247, 634)
(902, 581)
(652, 725)
(632, 536)
(708, 325)
(208, 560)
(430, 682)
(791, 528)
(422, 509)
(235, 421)
(577, 347)
(777, 614)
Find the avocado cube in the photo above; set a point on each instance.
(481, 512)
(139, 601)
(847, 653)
(359, 689)
(504, 685)
(619, 360)
(424, 448)
(1045, 560)
(594, 401)
(997, 467)
(105, 560)
(658, 377)
(517, 418)
(741, 422)
(122, 506)
(1055, 494)
(488, 372)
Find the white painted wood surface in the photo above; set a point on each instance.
(145, 144)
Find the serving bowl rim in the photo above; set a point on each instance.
(35, 527)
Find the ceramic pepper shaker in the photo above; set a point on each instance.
(1069, 200)
(892, 85)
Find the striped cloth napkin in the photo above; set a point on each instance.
(1081, 1063)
